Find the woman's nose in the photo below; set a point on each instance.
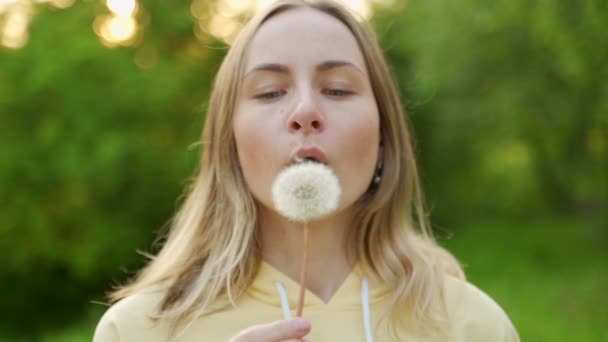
(306, 117)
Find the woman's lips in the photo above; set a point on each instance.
(312, 153)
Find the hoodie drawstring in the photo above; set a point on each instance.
(364, 303)
(284, 300)
(367, 320)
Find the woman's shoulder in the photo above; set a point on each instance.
(478, 317)
(132, 313)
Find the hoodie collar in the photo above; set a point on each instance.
(348, 294)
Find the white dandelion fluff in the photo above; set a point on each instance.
(306, 191)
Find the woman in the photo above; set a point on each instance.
(303, 81)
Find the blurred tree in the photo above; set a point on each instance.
(509, 103)
(95, 151)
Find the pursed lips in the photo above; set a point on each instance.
(311, 153)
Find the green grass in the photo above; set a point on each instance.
(550, 277)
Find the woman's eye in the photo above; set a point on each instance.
(270, 95)
(337, 92)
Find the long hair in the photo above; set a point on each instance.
(211, 255)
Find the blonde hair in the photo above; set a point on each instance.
(211, 254)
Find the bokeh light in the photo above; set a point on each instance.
(115, 30)
(16, 17)
(14, 29)
(122, 8)
(119, 28)
(239, 5)
(224, 27)
(228, 15)
(5, 4)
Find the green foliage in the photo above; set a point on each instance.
(507, 98)
(509, 103)
(96, 151)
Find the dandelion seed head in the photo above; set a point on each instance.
(306, 191)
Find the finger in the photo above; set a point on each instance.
(276, 331)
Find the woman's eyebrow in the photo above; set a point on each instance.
(328, 65)
(272, 67)
(321, 67)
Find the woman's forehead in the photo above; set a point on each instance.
(303, 38)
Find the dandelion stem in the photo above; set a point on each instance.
(303, 272)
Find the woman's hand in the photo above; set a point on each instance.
(279, 331)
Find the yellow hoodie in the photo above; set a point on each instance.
(351, 315)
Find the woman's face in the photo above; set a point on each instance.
(305, 92)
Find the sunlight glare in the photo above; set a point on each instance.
(223, 27)
(239, 6)
(226, 10)
(123, 8)
(226, 22)
(14, 32)
(116, 30)
(6, 4)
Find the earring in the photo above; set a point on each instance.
(378, 173)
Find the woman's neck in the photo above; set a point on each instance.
(282, 247)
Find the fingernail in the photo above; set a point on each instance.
(301, 325)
